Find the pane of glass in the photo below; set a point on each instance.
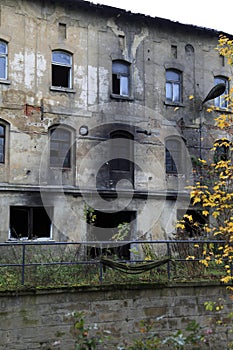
(3, 47)
(61, 57)
(124, 86)
(169, 91)
(2, 68)
(176, 92)
(120, 68)
(172, 76)
(2, 130)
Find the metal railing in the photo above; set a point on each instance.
(22, 255)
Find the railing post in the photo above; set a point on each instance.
(101, 272)
(168, 264)
(23, 264)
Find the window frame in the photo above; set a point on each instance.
(4, 56)
(172, 83)
(58, 64)
(69, 143)
(30, 218)
(122, 75)
(220, 101)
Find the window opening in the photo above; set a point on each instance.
(173, 156)
(221, 101)
(3, 60)
(30, 222)
(112, 222)
(61, 69)
(173, 86)
(121, 165)
(60, 148)
(120, 78)
(222, 150)
(2, 143)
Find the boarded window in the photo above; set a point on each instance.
(2, 143)
(60, 148)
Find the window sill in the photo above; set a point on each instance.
(174, 104)
(59, 168)
(120, 97)
(62, 89)
(222, 110)
(5, 81)
(25, 239)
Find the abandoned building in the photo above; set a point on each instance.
(102, 119)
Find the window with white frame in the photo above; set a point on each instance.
(173, 85)
(60, 148)
(61, 69)
(120, 78)
(30, 222)
(221, 101)
(3, 60)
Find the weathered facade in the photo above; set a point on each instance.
(97, 112)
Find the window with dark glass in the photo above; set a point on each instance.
(173, 156)
(60, 148)
(173, 85)
(61, 69)
(221, 101)
(30, 222)
(3, 60)
(120, 78)
(2, 143)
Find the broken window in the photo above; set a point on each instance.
(120, 78)
(108, 226)
(173, 85)
(30, 222)
(61, 69)
(2, 143)
(3, 60)
(60, 148)
(221, 101)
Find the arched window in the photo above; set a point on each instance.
(221, 101)
(2, 142)
(60, 147)
(121, 163)
(61, 69)
(173, 85)
(222, 150)
(173, 156)
(3, 59)
(120, 78)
